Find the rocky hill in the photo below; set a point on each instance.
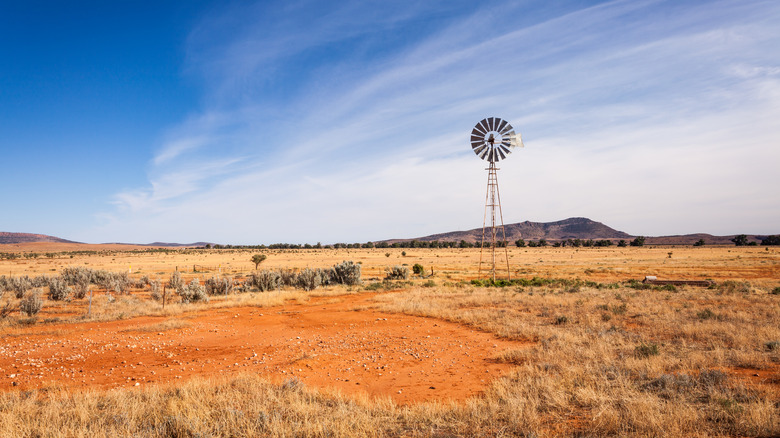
(8, 238)
(572, 228)
(576, 228)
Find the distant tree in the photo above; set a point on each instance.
(740, 240)
(639, 241)
(542, 242)
(771, 240)
(699, 242)
(258, 258)
(622, 243)
(208, 246)
(520, 243)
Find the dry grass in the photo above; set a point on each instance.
(638, 362)
(601, 362)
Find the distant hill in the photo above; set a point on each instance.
(8, 238)
(575, 228)
(18, 238)
(572, 228)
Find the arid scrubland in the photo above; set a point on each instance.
(597, 355)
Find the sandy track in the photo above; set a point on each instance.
(324, 343)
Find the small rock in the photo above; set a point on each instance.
(137, 384)
(15, 383)
(431, 387)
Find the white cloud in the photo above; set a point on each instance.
(651, 122)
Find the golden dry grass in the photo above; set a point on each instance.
(601, 361)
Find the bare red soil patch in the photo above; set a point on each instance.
(324, 343)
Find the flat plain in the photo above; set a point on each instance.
(575, 348)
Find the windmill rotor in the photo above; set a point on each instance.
(493, 139)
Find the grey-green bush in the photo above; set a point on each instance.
(219, 286)
(309, 279)
(397, 273)
(32, 303)
(58, 289)
(193, 292)
(347, 272)
(264, 280)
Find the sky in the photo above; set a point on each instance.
(348, 121)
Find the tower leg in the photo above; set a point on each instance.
(493, 201)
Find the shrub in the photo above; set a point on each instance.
(309, 279)
(219, 286)
(561, 319)
(156, 290)
(397, 273)
(638, 241)
(646, 350)
(21, 285)
(80, 290)
(706, 314)
(347, 273)
(730, 286)
(699, 242)
(775, 291)
(288, 277)
(58, 289)
(418, 269)
(772, 345)
(193, 292)
(264, 280)
(73, 275)
(175, 282)
(32, 303)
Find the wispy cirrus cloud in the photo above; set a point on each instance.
(656, 117)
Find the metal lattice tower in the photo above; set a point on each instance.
(493, 139)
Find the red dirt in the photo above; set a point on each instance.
(323, 343)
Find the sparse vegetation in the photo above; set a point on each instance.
(397, 273)
(258, 258)
(597, 358)
(59, 290)
(194, 292)
(31, 304)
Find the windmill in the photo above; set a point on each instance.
(493, 139)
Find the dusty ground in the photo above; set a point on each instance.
(324, 343)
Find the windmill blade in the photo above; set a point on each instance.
(484, 125)
(505, 149)
(500, 126)
(484, 153)
(492, 123)
(479, 138)
(506, 129)
(500, 153)
(478, 150)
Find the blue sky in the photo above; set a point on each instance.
(306, 121)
